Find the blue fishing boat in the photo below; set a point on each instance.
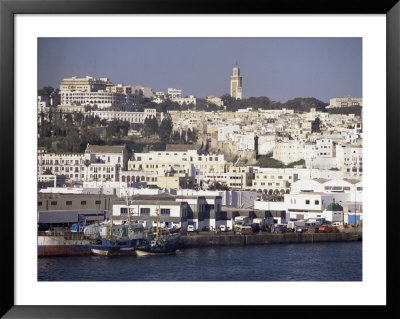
(160, 243)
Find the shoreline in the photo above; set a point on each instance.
(210, 240)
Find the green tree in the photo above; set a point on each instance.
(150, 126)
(78, 118)
(176, 137)
(46, 91)
(192, 136)
(165, 130)
(183, 138)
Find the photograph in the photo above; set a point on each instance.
(171, 160)
(207, 159)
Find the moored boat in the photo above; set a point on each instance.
(162, 246)
(159, 244)
(105, 247)
(63, 244)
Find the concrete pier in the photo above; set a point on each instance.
(212, 239)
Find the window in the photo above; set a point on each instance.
(124, 211)
(39, 203)
(83, 202)
(307, 202)
(317, 202)
(53, 203)
(145, 212)
(165, 211)
(69, 202)
(98, 202)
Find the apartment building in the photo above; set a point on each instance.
(288, 151)
(274, 181)
(164, 159)
(344, 102)
(131, 117)
(98, 163)
(350, 160)
(86, 84)
(239, 178)
(101, 99)
(68, 164)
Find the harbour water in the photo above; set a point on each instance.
(333, 261)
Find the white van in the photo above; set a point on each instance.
(222, 228)
(190, 228)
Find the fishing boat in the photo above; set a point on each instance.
(106, 246)
(53, 243)
(120, 240)
(160, 243)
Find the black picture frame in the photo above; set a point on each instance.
(8, 9)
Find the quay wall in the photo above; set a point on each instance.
(208, 240)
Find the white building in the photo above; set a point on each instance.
(191, 99)
(307, 205)
(164, 159)
(102, 99)
(273, 180)
(174, 93)
(215, 100)
(226, 131)
(288, 152)
(131, 117)
(244, 142)
(344, 102)
(86, 84)
(349, 160)
(266, 144)
(142, 208)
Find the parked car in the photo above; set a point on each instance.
(223, 228)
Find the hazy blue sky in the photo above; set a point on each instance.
(280, 68)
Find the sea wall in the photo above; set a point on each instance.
(208, 240)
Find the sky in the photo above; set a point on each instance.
(279, 68)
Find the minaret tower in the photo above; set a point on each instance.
(236, 83)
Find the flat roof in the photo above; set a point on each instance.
(105, 148)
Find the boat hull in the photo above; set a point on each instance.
(142, 253)
(49, 246)
(108, 251)
(63, 250)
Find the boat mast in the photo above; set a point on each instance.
(111, 226)
(157, 219)
(127, 205)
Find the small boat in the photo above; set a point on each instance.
(159, 244)
(107, 247)
(118, 240)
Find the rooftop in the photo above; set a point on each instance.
(105, 148)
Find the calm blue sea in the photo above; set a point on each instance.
(286, 262)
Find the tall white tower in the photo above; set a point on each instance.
(236, 83)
